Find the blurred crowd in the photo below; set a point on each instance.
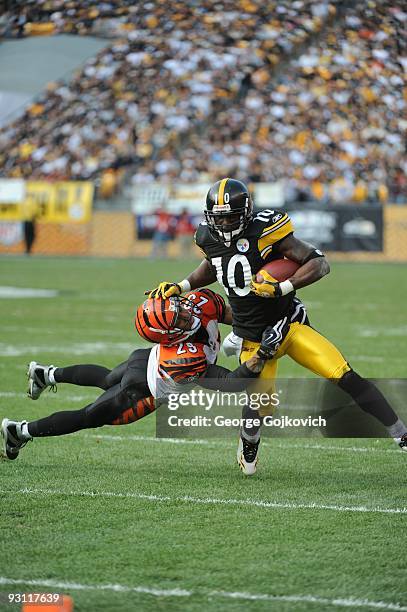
(307, 91)
(34, 17)
(332, 124)
(136, 99)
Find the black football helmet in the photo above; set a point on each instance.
(229, 209)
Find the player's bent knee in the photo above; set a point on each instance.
(340, 371)
(91, 418)
(96, 418)
(108, 382)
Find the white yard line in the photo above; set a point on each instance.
(207, 500)
(78, 348)
(345, 602)
(384, 331)
(350, 449)
(55, 397)
(12, 394)
(41, 331)
(26, 292)
(222, 442)
(132, 438)
(373, 359)
(218, 443)
(75, 586)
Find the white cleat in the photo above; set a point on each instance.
(402, 442)
(247, 456)
(11, 444)
(38, 379)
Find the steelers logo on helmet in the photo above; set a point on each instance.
(229, 210)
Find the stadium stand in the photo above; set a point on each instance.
(307, 91)
(140, 96)
(334, 116)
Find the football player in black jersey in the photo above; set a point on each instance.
(236, 244)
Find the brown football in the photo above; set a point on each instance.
(280, 269)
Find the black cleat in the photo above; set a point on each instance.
(11, 444)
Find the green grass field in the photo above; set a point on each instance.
(123, 522)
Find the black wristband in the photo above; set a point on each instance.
(313, 255)
(263, 354)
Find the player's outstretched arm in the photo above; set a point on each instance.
(202, 275)
(219, 378)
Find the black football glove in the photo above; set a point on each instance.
(272, 338)
(164, 290)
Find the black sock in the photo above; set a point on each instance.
(368, 397)
(251, 432)
(85, 375)
(105, 409)
(58, 424)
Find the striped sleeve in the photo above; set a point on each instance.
(183, 369)
(271, 234)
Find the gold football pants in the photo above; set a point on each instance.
(308, 348)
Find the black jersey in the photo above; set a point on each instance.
(234, 266)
